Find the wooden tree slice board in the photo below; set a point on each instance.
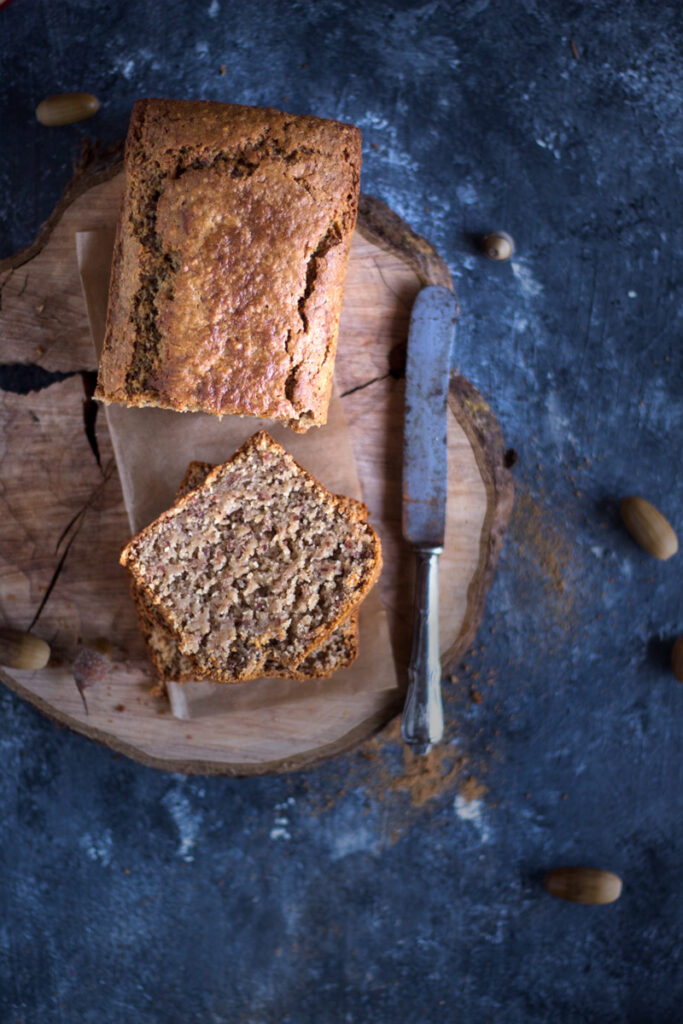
(50, 472)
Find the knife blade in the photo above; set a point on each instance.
(425, 490)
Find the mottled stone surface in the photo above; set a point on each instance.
(359, 892)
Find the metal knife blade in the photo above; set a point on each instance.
(425, 490)
(425, 449)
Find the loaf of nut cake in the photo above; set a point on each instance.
(230, 259)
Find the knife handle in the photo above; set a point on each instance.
(422, 722)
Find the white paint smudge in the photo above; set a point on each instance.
(391, 151)
(357, 839)
(214, 9)
(472, 812)
(558, 423)
(279, 833)
(519, 323)
(550, 141)
(632, 294)
(97, 848)
(467, 194)
(349, 832)
(187, 821)
(280, 828)
(530, 287)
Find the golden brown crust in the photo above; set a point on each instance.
(212, 661)
(195, 475)
(233, 243)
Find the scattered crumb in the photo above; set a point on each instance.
(221, 70)
(120, 707)
(475, 696)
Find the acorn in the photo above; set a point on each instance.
(677, 658)
(498, 246)
(22, 650)
(648, 527)
(66, 108)
(590, 886)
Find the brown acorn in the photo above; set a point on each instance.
(591, 886)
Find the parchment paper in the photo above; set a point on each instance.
(153, 448)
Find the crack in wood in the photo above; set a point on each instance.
(74, 526)
(365, 384)
(4, 283)
(23, 378)
(90, 410)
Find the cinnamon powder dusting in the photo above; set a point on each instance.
(390, 774)
(546, 555)
(421, 777)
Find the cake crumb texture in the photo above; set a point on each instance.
(259, 563)
(338, 651)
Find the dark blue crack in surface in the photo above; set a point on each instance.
(336, 895)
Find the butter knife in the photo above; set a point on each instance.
(425, 490)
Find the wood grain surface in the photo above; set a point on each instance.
(65, 521)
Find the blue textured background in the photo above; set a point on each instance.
(341, 894)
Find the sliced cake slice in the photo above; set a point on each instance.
(338, 651)
(258, 564)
